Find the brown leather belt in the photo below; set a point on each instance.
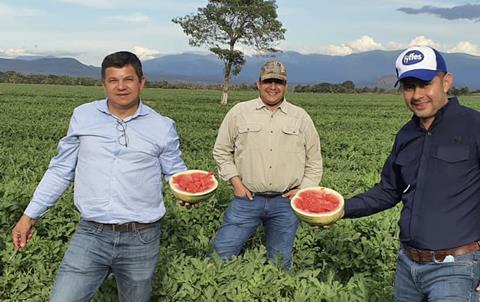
(423, 256)
(125, 227)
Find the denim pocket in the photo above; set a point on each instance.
(240, 197)
(148, 235)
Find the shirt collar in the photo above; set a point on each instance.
(283, 106)
(141, 110)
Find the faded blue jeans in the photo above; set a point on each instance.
(95, 253)
(242, 219)
(446, 282)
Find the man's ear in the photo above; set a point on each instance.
(447, 82)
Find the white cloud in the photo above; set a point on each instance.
(392, 45)
(145, 53)
(466, 47)
(13, 52)
(364, 43)
(336, 50)
(423, 41)
(16, 11)
(134, 18)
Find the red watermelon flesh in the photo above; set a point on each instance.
(317, 202)
(194, 182)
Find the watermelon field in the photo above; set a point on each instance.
(352, 261)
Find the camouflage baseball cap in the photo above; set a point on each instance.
(273, 70)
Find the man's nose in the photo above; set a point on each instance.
(418, 92)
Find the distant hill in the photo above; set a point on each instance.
(54, 66)
(373, 68)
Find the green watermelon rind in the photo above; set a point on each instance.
(191, 197)
(319, 218)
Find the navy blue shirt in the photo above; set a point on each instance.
(436, 173)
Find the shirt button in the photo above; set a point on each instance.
(429, 133)
(271, 149)
(270, 167)
(271, 131)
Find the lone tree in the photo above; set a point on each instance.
(224, 23)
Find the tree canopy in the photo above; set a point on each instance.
(223, 24)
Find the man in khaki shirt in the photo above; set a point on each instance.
(268, 149)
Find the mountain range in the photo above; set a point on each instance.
(372, 69)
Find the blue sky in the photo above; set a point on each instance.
(90, 29)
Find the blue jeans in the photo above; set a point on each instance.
(95, 253)
(437, 281)
(244, 216)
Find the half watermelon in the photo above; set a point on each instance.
(318, 205)
(193, 185)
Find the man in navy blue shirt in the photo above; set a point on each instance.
(434, 169)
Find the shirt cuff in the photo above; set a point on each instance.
(227, 171)
(306, 184)
(34, 210)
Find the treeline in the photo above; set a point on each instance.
(345, 87)
(349, 87)
(13, 77)
(19, 78)
(185, 85)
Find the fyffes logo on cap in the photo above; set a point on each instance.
(412, 57)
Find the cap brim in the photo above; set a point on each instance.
(421, 74)
(273, 76)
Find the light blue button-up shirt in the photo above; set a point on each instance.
(114, 182)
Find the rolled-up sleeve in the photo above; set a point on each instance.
(223, 150)
(313, 157)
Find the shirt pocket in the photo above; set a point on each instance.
(249, 136)
(291, 138)
(453, 161)
(453, 154)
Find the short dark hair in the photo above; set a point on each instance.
(120, 59)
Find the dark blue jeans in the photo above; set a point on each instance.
(244, 216)
(438, 281)
(94, 253)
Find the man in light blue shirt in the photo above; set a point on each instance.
(116, 150)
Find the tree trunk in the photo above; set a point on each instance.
(224, 99)
(226, 82)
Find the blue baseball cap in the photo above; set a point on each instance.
(420, 62)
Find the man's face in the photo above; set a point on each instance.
(425, 99)
(122, 87)
(272, 91)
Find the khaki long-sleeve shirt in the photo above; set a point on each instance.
(269, 151)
